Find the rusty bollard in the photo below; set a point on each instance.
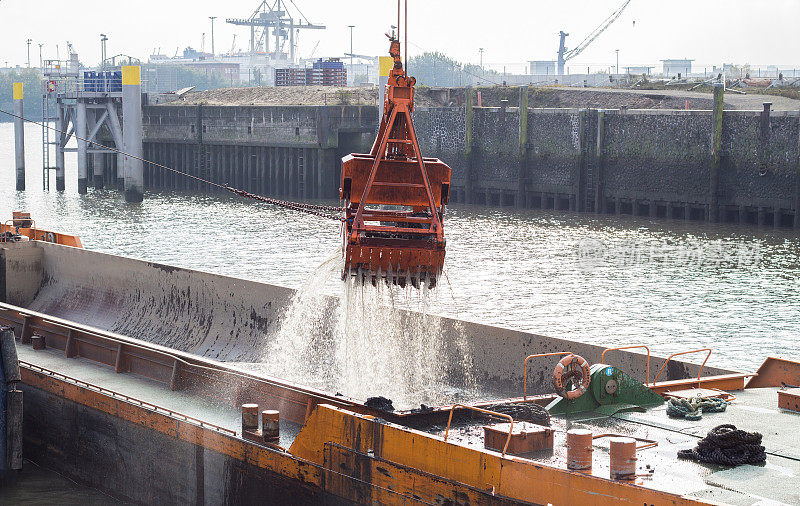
(579, 449)
(37, 342)
(270, 425)
(623, 458)
(249, 417)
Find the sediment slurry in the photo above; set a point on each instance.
(357, 345)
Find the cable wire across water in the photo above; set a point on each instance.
(312, 209)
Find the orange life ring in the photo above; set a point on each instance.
(571, 367)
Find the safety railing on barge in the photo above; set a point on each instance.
(726, 381)
(176, 369)
(127, 398)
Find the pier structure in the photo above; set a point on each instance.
(19, 136)
(87, 105)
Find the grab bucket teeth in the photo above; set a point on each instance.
(394, 266)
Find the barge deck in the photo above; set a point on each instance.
(186, 416)
(150, 423)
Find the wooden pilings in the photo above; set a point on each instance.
(468, 112)
(716, 157)
(599, 155)
(797, 182)
(522, 177)
(578, 198)
(572, 159)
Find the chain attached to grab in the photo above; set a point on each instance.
(312, 209)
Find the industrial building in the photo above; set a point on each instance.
(674, 67)
(639, 70)
(330, 72)
(542, 67)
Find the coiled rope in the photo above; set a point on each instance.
(693, 408)
(526, 412)
(315, 210)
(728, 446)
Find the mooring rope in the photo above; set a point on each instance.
(527, 412)
(313, 209)
(726, 445)
(693, 408)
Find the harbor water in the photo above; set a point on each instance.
(612, 280)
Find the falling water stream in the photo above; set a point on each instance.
(355, 344)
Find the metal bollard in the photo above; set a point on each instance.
(270, 425)
(579, 449)
(249, 417)
(37, 342)
(623, 458)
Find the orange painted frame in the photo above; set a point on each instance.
(481, 410)
(525, 369)
(699, 373)
(647, 376)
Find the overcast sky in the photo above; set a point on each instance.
(762, 32)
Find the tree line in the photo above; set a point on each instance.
(438, 69)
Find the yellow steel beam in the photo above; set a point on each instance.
(511, 477)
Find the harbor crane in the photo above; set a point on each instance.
(565, 55)
(313, 50)
(233, 45)
(274, 16)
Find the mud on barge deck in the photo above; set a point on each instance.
(149, 423)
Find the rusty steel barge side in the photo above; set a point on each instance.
(123, 414)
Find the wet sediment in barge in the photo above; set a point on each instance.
(98, 383)
(235, 320)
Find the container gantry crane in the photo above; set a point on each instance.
(274, 15)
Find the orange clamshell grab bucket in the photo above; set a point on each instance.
(394, 198)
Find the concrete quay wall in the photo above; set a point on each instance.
(657, 163)
(291, 151)
(644, 162)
